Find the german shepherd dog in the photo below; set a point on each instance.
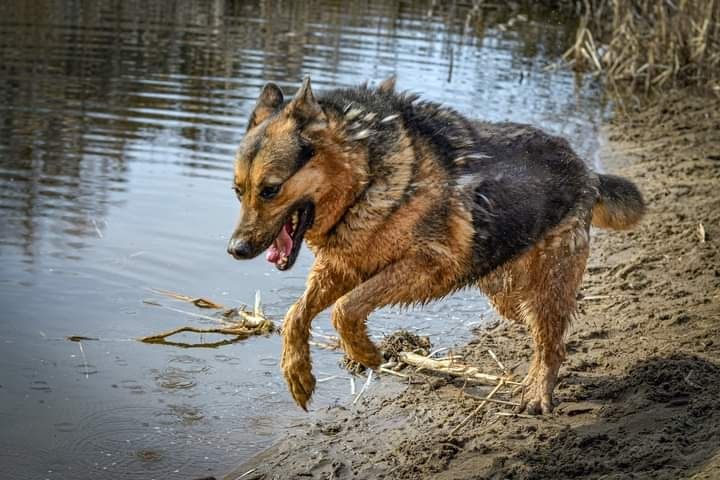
(403, 201)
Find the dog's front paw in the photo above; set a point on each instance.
(367, 355)
(300, 380)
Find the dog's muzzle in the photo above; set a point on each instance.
(240, 250)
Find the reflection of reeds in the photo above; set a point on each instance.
(649, 43)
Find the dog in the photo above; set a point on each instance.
(403, 201)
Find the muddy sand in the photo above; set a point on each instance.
(638, 395)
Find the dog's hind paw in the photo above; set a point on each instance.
(541, 405)
(536, 400)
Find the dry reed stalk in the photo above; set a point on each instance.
(239, 322)
(450, 367)
(650, 45)
(478, 408)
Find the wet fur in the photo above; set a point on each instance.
(412, 202)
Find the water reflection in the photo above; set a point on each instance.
(90, 87)
(118, 124)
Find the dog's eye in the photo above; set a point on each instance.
(304, 155)
(269, 192)
(238, 192)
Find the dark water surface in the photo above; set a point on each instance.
(118, 124)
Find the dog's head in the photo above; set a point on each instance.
(284, 174)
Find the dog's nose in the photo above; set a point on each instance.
(239, 249)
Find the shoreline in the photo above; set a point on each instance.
(638, 392)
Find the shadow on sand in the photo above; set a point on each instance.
(661, 420)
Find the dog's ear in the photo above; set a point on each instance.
(387, 85)
(305, 108)
(268, 103)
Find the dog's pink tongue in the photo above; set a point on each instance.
(273, 254)
(281, 246)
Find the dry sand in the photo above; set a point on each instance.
(638, 395)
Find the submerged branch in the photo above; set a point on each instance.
(237, 322)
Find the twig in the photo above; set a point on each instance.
(251, 325)
(329, 338)
(246, 474)
(448, 367)
(160, 337)
(516, 415)
(436, 351)
(492, 400)
(364, 387)
(80, 338)
(197, 301)
(85, 364)
(97, 230)
(478, 408)
(393, 372)
(323, 345)
(500, 364)
(450, 358)
(258, 307)
(242, 325)
(177, 310)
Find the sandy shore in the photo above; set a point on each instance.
(638, 395)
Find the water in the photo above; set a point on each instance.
(118, 124)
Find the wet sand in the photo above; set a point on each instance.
(638, 393)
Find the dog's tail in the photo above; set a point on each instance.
(620, 205)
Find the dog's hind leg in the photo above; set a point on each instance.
(408, 281)
(539, 289)
(554, 270)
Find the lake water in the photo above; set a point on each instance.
(118, 125)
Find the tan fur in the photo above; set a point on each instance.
(358, 283)
(370, 254)
(616, 218)
(539, 288)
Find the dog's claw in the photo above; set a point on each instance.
(374, 361)
(536, 398)
(368, 357)
(301, 382)
(301, 392)
(542, 405)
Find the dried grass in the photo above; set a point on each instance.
(650, 45)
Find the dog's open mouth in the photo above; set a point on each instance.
(284, 249)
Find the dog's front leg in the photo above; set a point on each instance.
(410, 280)
(323, 287)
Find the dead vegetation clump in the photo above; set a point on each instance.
(404, 341)
(239, 322)
(391, 346)
(650, 45)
